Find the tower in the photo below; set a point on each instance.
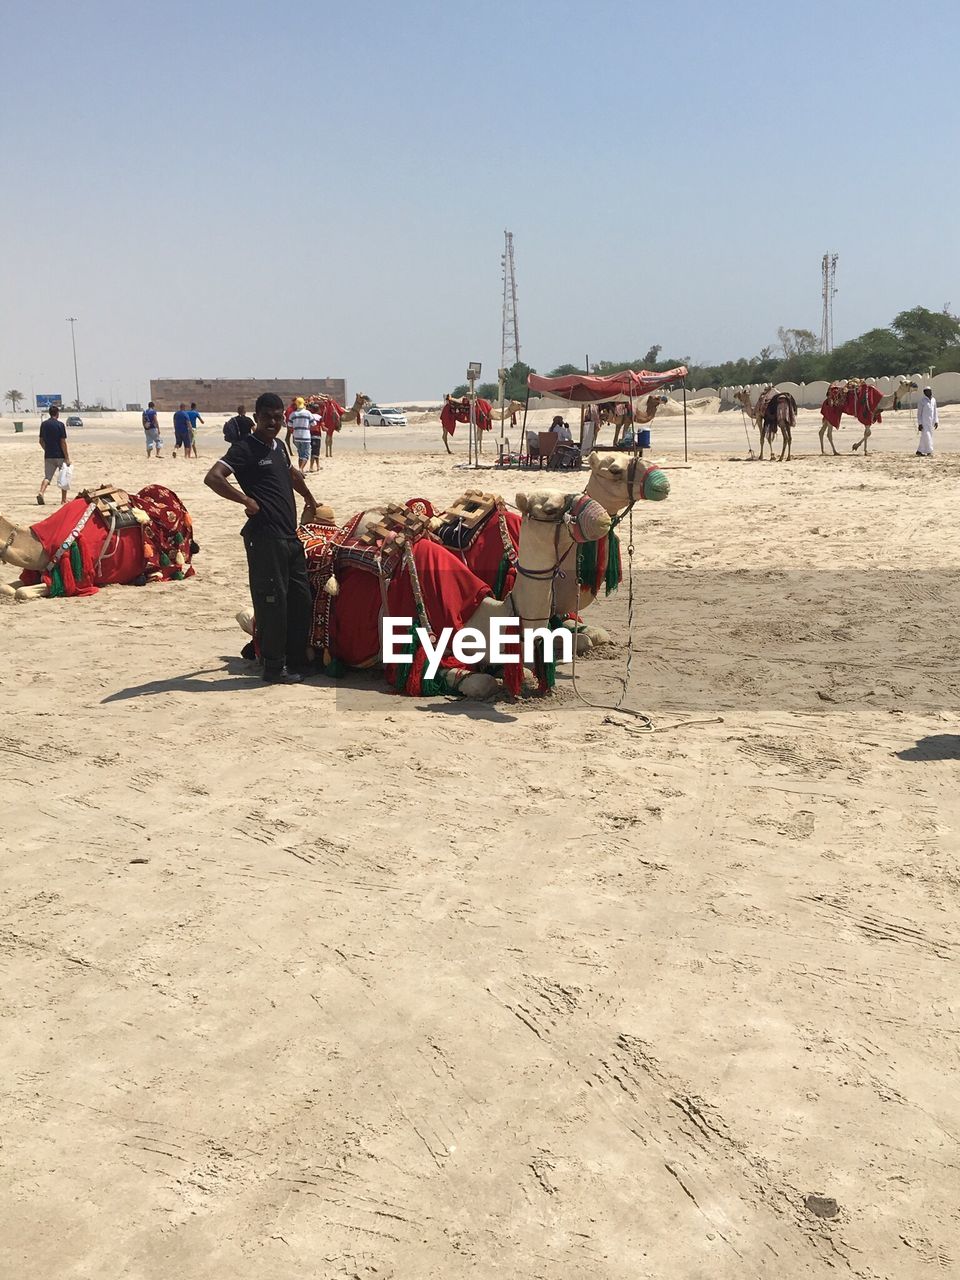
(829, 272)
(510, 335)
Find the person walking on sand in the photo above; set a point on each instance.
(300, 427)
(151, 429)
(56, 452)
(235, 429)
(193, 413)
(282, 603)
(927, 423)
(181, 431)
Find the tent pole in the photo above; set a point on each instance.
(683, 383)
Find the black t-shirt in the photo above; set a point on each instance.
(236, 428)
(263, 472)
(52, 433)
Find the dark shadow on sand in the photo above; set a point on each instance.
(938, 746)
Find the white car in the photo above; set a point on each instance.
(374, 416)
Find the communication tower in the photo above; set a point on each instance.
(510, 335)
(829, 271)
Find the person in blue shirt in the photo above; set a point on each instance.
(181, 430)
(193, 413)
(151, 429)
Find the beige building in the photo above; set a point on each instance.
(222, 395)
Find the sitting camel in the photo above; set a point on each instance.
(100, 539)
(773, 411)
(429, 581)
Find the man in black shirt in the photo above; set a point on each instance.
(236, 428)
(56, 452)
(278, 569)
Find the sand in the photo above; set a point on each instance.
(320, 982)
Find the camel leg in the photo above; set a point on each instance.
(862, 440)
(7, 590)
(866, 437)
(37, 592)
(446, 444)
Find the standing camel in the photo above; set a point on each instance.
(334, 415)
(774, 410)
(857, 391)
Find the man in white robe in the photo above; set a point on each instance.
(927, 423)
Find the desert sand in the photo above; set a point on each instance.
(322, 982)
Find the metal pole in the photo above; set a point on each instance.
(72, 320)
(502, 380)
(473, 422)
(683, 383)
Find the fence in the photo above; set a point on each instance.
(810, 395)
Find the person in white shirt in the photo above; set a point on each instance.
(298, 426)
(927, 423)
(561, 430)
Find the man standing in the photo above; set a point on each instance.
(193, 413)
(235, 429)
(278, 568)
(56, 452)
(927, 423)
(181, 431)
(300, 426)
(151, 429)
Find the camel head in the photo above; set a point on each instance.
(21, 548)
(616, 481)
(585, 519)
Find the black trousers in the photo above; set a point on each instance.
(281, 598)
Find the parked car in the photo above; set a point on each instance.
(74, 421)
(374, 416)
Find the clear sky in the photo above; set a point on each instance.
(292, 188)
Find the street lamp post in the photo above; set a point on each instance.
(72, 320)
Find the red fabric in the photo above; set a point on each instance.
(331, 413)
(448, 417)
(130, 553)
(861, 403)
(483, 415)
(581, 388)
(831, 413)
(451, 595)
(484, 556)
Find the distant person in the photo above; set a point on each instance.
(561, 430)
(927, 422)
(56, 452)
(282, 603)
(151, 429)
(181, 431)
(299, 426)
(235, 429)
(291, 407)
(193, 413)
(316, 439)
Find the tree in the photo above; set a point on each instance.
(923, 335)
(14, 397)
(652, 356)
(798, 342)
(564, 371)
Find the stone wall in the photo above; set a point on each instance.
(810, 395)
(223, 395)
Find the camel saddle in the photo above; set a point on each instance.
(377, 548)
(113, 505)
(461, 524)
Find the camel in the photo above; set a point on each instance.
(638, 418)
(453, 411)
(450, 595)
(773, 410)
(890, 401)
(99, 539)
(334, 415)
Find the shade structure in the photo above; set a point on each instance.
(582, 388)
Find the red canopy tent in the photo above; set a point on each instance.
(585, 388)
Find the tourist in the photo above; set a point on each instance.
(181, 431)
(151, 429)
(56, 452)
(235, 429)
(193, 413)
(927, 423)
(316, 439)
(300, 427)
(279, 588)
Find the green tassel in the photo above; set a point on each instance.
(500, 581)
(587, 565)
(178, 576)
(335, 668)
(56, 583)
(612, 579)
(164, 559)
(76, 563)
(177, 539)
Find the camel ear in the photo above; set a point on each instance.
(522, 503)
(594, 461)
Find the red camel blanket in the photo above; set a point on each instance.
(83, 555)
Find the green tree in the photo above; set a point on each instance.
(924, 335)
(14, 397)
(797, 342)
(564, 371)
